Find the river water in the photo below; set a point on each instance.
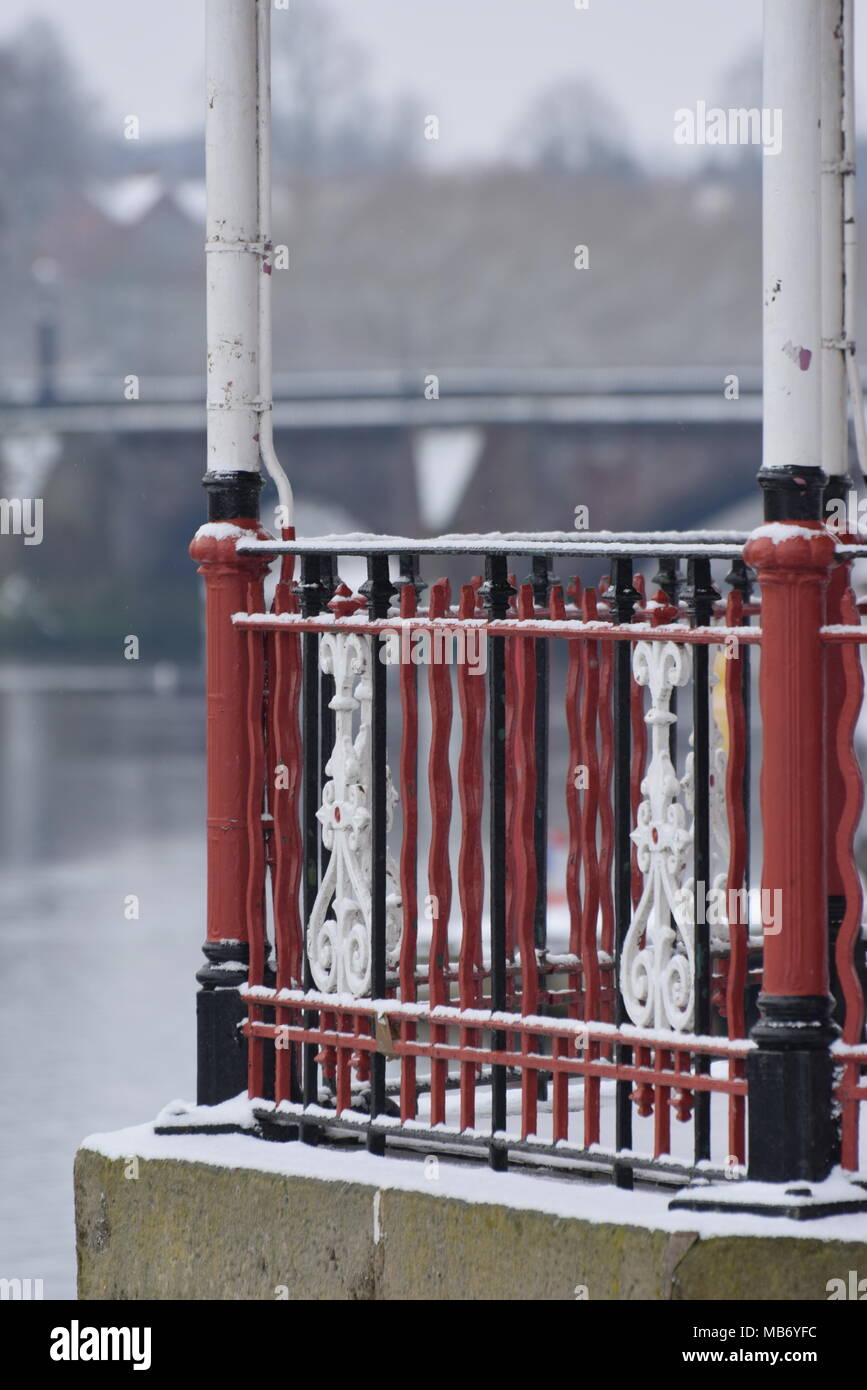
(102, 800)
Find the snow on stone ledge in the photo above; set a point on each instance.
(570, 1197)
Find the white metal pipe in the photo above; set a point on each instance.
(835, 425)
(848, 159)
(792, 272)
(266, 277)
(232, 244)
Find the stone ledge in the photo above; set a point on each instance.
(304, 1226)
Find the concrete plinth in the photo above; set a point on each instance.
(156, 1220)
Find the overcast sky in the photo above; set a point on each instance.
(474, 63)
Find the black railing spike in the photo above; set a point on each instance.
(408, 568)
(741, 578)
(542, 578)
(668, 577)
(377, 587)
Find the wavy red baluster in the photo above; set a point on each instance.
(574, 679)
(408, 855)
(589, 814)
(737, 826)
(638, 761)
(439, 872)
(511, 657)
(255, 895)
(523, 847)
(288, 850)
(606, 819)
(471, 872)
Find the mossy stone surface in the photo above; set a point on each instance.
(182, 1230)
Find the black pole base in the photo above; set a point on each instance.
(793, 494)
(792, 1135)
(797, 1201)
(222, 1047)
(233, 495)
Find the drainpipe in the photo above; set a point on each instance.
(850, 234)
(835, 425)
(266, 276)
(232, 481)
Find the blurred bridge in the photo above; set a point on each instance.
(382, 399)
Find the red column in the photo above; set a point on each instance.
(791, 1131)
(226, 575)
(794, 573)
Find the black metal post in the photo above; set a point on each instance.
(542, 580)
(379, 590)
(310, 593)
(496, 591)
(700, 596)
(622, 598)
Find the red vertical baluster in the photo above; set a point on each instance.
(511, 658)
(439, 872)
(523, 847)
(408, 855)
(606, 819)
(662, 1108)
(472, 696)
(577, 760)
(255, 896)
(639, 759)
(285, 771)
(560, 1092)
(589, 813)
(343, 1088)
(849, 815)
(739, 927)
(560, 1080)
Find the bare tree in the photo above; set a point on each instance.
(47, 124)
(572, 128)
(326, 120)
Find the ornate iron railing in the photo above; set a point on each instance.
(413, 967)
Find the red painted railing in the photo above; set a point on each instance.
(609, 1027)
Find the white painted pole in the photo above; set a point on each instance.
(792, 272)
(835, 424)
(233, 249)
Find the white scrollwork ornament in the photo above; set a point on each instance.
(719, 842)
(339, 930)
(656, 966)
